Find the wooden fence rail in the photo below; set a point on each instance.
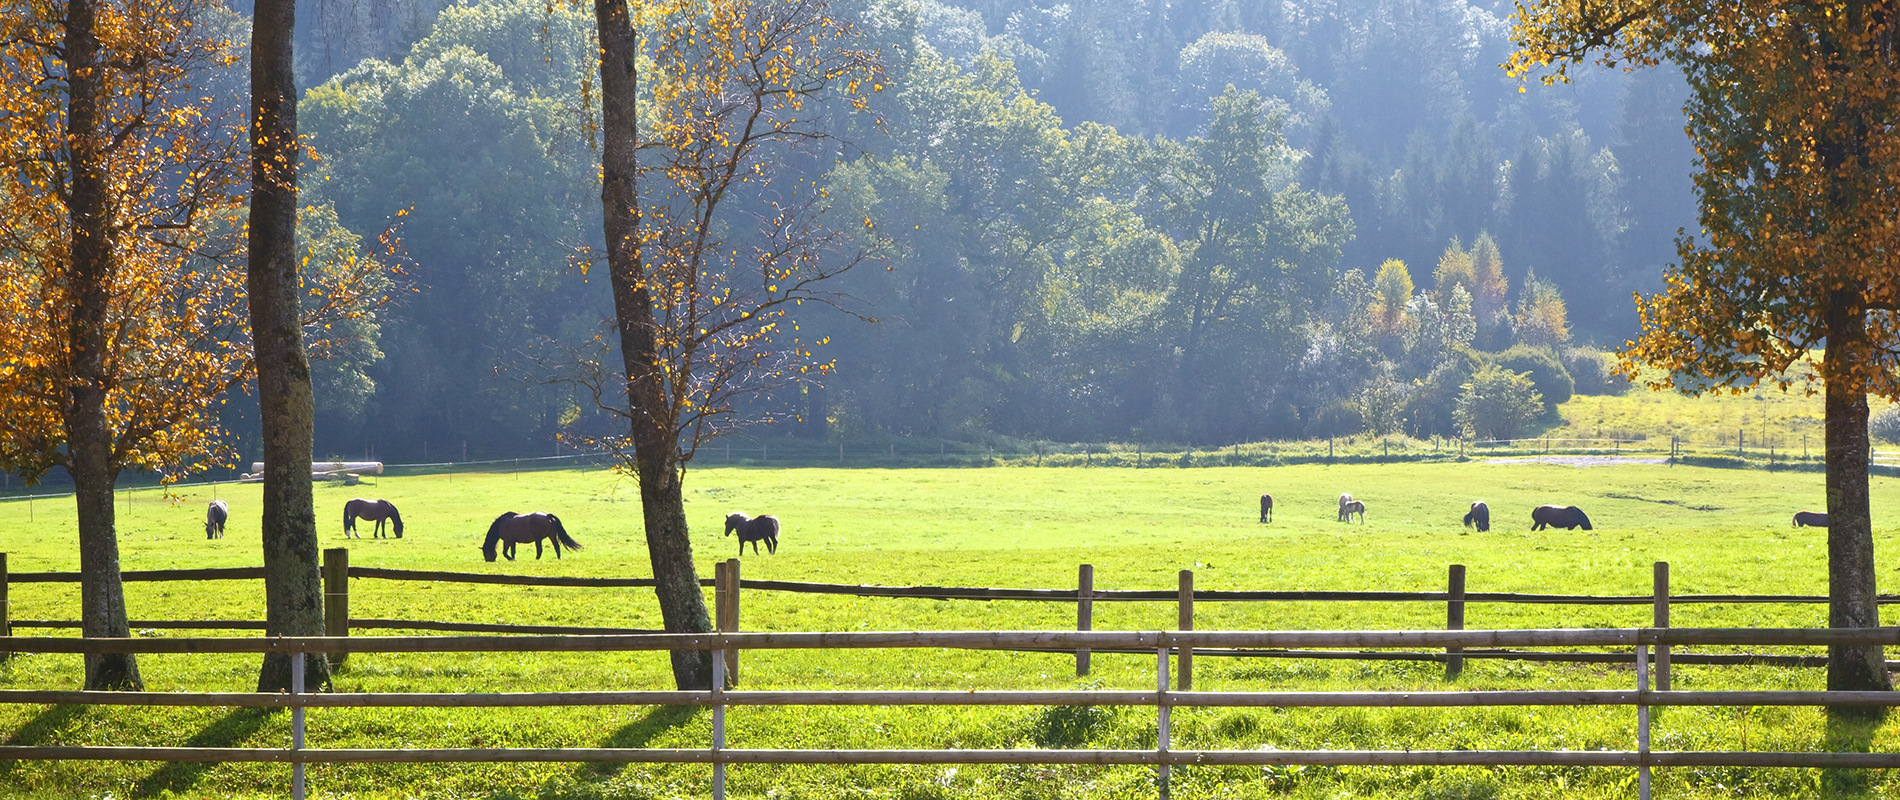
(728, 586)
(1162, 758)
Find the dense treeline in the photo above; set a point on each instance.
(1204, 221)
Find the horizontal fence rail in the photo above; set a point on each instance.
(969, 592)
(727, 586)
(1163, 644)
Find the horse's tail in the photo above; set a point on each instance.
(560, 532)
(349, 517)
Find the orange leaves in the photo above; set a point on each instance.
(165, 323)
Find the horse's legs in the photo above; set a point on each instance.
(537, 549)
(771, 545)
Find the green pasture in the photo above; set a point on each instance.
(1723, 531)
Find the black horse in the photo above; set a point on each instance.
(215, 515)
(1266, 508)
(511, 529)
(1566, 517)
(1479, 515)
(1810, 519)
(761, 528)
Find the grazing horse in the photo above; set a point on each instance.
(1353, 507)
(215, 515)
(1266, 508)
(1479, 515)
(511, 529)
(374, 510)
(1566, 517)
(761, 528)
(1343, 500)
(1810, 519)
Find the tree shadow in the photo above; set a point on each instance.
(1851, 730)
(640, 733)
(228, 731)
(41, 729)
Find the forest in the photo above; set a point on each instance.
(1203, 222)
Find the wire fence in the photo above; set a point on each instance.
(1743, 450)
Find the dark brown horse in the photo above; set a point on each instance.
(763, 528)
(1266, 508)
(511, 529)
(1350, 508)
(1566, 517)
(374, 510)
(215, 515)
(1479, 515)
(1810, 519)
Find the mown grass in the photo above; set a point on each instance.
(1722, 531)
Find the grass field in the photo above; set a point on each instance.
(1722, 531)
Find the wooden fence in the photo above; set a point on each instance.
(727, 587)
(1163, 758)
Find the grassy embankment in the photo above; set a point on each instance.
(1722, 530)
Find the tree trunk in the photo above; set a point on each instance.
(1850, 539)
(293, 595)
(682, 605)
(88, 431)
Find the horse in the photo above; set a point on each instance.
(1479, 515)
(1266, 508)
(215, 515)
(1810, 519)
(1566, 517)
(376, 510)
(1353, 507)
(763, 527)
(511, 529)
(1343, 500)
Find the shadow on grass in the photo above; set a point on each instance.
(40, 730)
(1851, 730)
(178, 776)
(640, 734)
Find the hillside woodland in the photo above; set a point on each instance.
(1207, 222)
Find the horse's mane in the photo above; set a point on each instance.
(494, 534)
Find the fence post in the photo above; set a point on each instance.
(1185, 603)
(719, 712)
(1084, 613)
(1455, 618)
(6, 612)
(1662, 621)
(296, 726)
(336, 596)
(730, 620)
(1161, 720)
(1642, 722)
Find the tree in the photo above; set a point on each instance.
(1542, 319)
(115, 345)
(1497, 403)
(1791, 108)
(293, 595)
(1391, 290)
(699, 315)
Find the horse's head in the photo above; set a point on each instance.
(494, 535)
(735, 521)
(396, 520)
